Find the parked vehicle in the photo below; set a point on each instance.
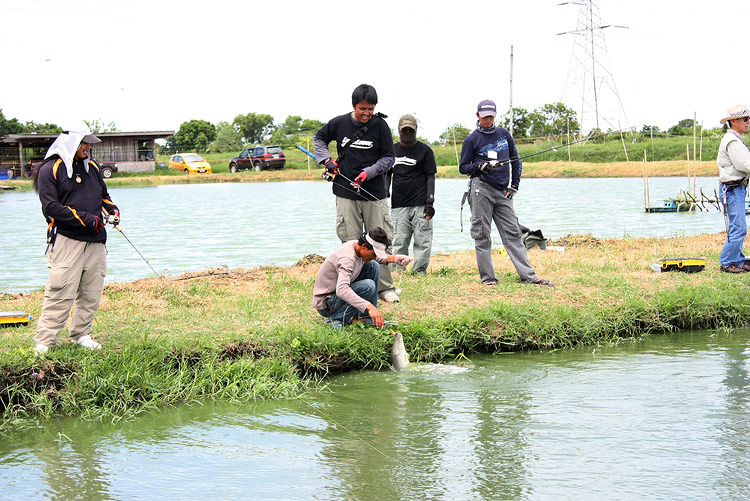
(258, 158)
(107, 169)
(190, 163)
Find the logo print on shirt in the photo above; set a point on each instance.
(359, 144)
(497, 146)
(406, 161)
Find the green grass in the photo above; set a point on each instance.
(248, 334)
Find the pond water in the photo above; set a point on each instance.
(661, 418)
(181, 228)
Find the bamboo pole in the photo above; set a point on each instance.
(700, 149)
(623, 143)
(687, 147)
(645, 192)
(569, 157)
(695, 150)
(453, 131)
(308, 156)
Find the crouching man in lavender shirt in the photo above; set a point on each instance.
(346, 288)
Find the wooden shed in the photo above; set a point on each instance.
(129, 151)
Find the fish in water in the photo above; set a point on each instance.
(399, 357)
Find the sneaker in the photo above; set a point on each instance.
(541, 281)
(397, 291)
(390, 296)
(746, 265)
(732, 268)
(40, 349)
(87, 342)
(490, 282)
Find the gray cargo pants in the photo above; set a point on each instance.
(76, 278)
(353, 217)
(489, 204)
(408, 222)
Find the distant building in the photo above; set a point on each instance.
(129, 151)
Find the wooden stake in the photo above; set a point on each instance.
(695, 151)
(453, 130)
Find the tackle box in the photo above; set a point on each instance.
(684, 264)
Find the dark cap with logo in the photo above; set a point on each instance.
(486, 108)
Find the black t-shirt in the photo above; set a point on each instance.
(375, 143)
(410, 172)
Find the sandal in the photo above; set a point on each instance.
(541, 281)
(490, 282)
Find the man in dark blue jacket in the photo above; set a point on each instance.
(490, 157)
(73, 195)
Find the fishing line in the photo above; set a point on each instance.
(329, 418)
(117, 227)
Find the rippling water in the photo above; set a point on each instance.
(661, 418)
(181, 228)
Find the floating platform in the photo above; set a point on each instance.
(683, 206)
(14, 318)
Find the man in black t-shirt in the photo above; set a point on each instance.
(413, 194)
(365, 152)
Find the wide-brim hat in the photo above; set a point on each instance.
(736, 111)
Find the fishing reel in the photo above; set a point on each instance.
(327, 175)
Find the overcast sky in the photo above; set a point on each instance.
(150, 65)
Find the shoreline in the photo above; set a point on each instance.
(676, 168)
(242, 334)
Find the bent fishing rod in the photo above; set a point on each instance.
(356, 188)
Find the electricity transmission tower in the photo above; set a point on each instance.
(590, 79)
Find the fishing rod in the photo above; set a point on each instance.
(356, 188)
(114, 220)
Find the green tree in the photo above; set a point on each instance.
(98, 125)
(31, 127)
(683, 128)
(648, 129)
(227, 139)
(311, 126)
(253, 127)
(457, 131)
(201, 142)
(553, 119)
(291, 125)
(9, 126)
(187, 137)
(521, 122)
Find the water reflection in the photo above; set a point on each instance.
(735, 480)
(660, 418)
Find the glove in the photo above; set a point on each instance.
(485, 167)
(512, 190)
(429, 211)
(361, 178)
(96, 223)
(402, 260)
(332, 167)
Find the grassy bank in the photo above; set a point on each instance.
(243, 334)
(530, 170)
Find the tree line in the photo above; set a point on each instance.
(547, 121)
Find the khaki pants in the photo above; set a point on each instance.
(353, 217)
(76, 278)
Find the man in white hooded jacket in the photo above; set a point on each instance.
(73, 194)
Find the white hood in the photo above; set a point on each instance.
(67, 144)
